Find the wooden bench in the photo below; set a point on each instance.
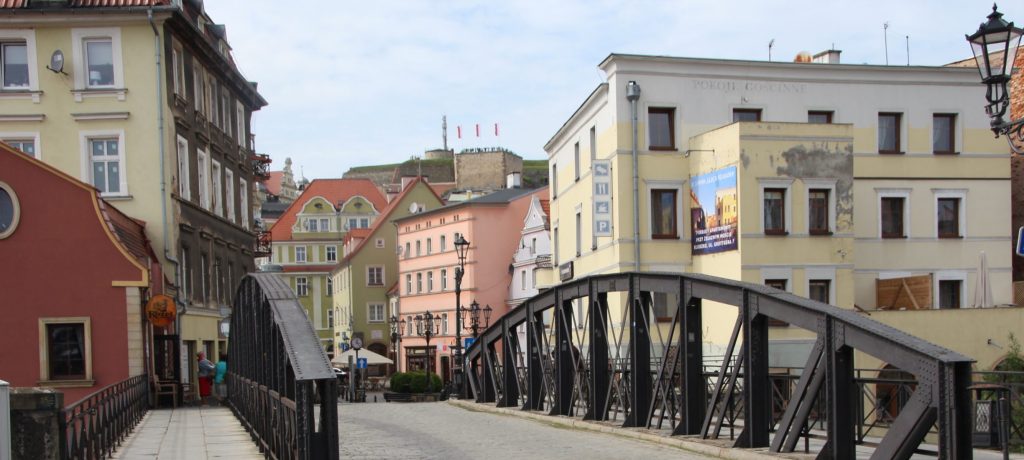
(397, 397)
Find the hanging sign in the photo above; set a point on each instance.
(160, 310)
(602, 198)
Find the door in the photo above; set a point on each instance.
(166, 364)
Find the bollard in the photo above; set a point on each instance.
(374, 398)
(5, 420)
(1004, 427)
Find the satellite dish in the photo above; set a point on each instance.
(414, 207)
(57, 62)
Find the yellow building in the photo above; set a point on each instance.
(826, 180)
(145, 103)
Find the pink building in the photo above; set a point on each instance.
(427, 262)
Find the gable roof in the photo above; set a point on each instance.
(333, 190)
(503, 196)
(383, 218)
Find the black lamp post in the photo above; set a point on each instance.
(396, 336)
(461, 248)
(474, 317)
(426, 327)
(995, 48)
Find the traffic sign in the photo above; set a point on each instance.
(468, 341)
(1020, 242)
(361, 363)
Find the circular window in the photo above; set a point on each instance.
(9, 211)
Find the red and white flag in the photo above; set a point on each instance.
(495, 129)
(458, 129)
(478, 130)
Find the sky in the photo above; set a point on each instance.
(363, 83)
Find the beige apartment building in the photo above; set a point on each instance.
(868, 187)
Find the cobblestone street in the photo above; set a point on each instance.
(440, 430)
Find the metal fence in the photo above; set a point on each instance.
(278, 373)
(94, 426)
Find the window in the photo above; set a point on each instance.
(332, 253)
(430, 281)
(418, 248)
(522, 278)
(374, 276)
(105, 165)
(203, 176)
(554, 253)
(243, 202)
(579, 233)
(301, 286)
(229, 194)
(14, 65)
(99, 62)
(780, 284)
(186, 274)
(177, 71)
(818, 212)
(27, 146)
(444, 279)
(944, 133)
(893, 217)
(376, 313)
(819, 290)
(330, 313)
(300, 254)
(408, 284)
(576, 160)
(430, 246)
(663, 214)
(66, 349)
(204, 277)
(184, 187)
(408, 325)
(312, 225)
(380, 243)
(554, 184)
(325, 225)
(593, 142)
(240, 124)
(746, 115)
(533, 246)
(950, 293)
(198, 87)
(218, 204)
(330, 290)
(444, 244)
(419, 283)
(889, 126)
(408, 252)
(444, 324)
(819, 116)
(659, 124)
(364, 222)
(948, 217)
(774, 211)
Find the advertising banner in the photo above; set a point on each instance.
(714, 213)
(602, 198)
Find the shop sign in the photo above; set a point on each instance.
(160, 310)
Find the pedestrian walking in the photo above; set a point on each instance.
(220, 387)
(206, 371)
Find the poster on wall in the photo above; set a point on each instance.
(714, 212)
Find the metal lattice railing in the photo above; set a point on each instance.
(95, 425)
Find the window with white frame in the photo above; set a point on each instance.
(444, 244)
(24, 142)
(408, 325)
(430, 246)
(243, 202)
(821, 284)
(522, 278)
(949, 289)
(198, 87)
(14, 68)
(418, 248)
(781, 279)
(776, 199)
(225, 111)
(330, 288)
(430, 281)
(444, 279)
(893, 218)
(240, 124)
(97, 58)
(229, 194)
(301, 286)
(106, 161)
(821, 206)
(311, 225)
(300, 254)
(376, 313)
(184, 185)
(177, 71)
(408, 284)
(325, 225)
(374, 276)
(215, 179)
(65, 349)
(444, 324)
(950, 213)
(332, 253)
(203, 176)
(419, 283)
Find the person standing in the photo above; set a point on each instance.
(206, 370)
(221, 370)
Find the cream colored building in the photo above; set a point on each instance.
(844, 175)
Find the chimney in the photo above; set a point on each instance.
(830, 56)
(514, 180)
(406, 180)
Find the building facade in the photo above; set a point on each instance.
(307, 241)
(427, 263)
(147, 105)
(368, 271)
(533, 253)
(909, 186)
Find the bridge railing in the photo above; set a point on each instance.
(613, 344)
(95, 425)
(278, 373)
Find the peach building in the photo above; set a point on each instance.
(427, 263)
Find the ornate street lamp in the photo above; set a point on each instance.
(474, 317)
(396, 336)
(461, 249)
(427, 327)
(995, 48)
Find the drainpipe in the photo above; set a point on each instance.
(633, 95)
(168, 254)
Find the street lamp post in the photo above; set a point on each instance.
(461, 248)
(995, 49)
(396, 336)
(474, 318)
(427, 328)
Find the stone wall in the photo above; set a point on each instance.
(485, 170)
(35, 423)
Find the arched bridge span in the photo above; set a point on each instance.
(630, 345)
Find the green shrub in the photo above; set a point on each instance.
(400, 382)
(414, 382)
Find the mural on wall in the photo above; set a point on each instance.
(714, 213)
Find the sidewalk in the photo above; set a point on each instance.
(193, 433)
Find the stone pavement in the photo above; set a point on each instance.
(193, 433)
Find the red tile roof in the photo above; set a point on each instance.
(441, 188)
(382, 219)
(308, 268)
(273, 182)
(333, 190)
(546, 206)
(130, 232)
